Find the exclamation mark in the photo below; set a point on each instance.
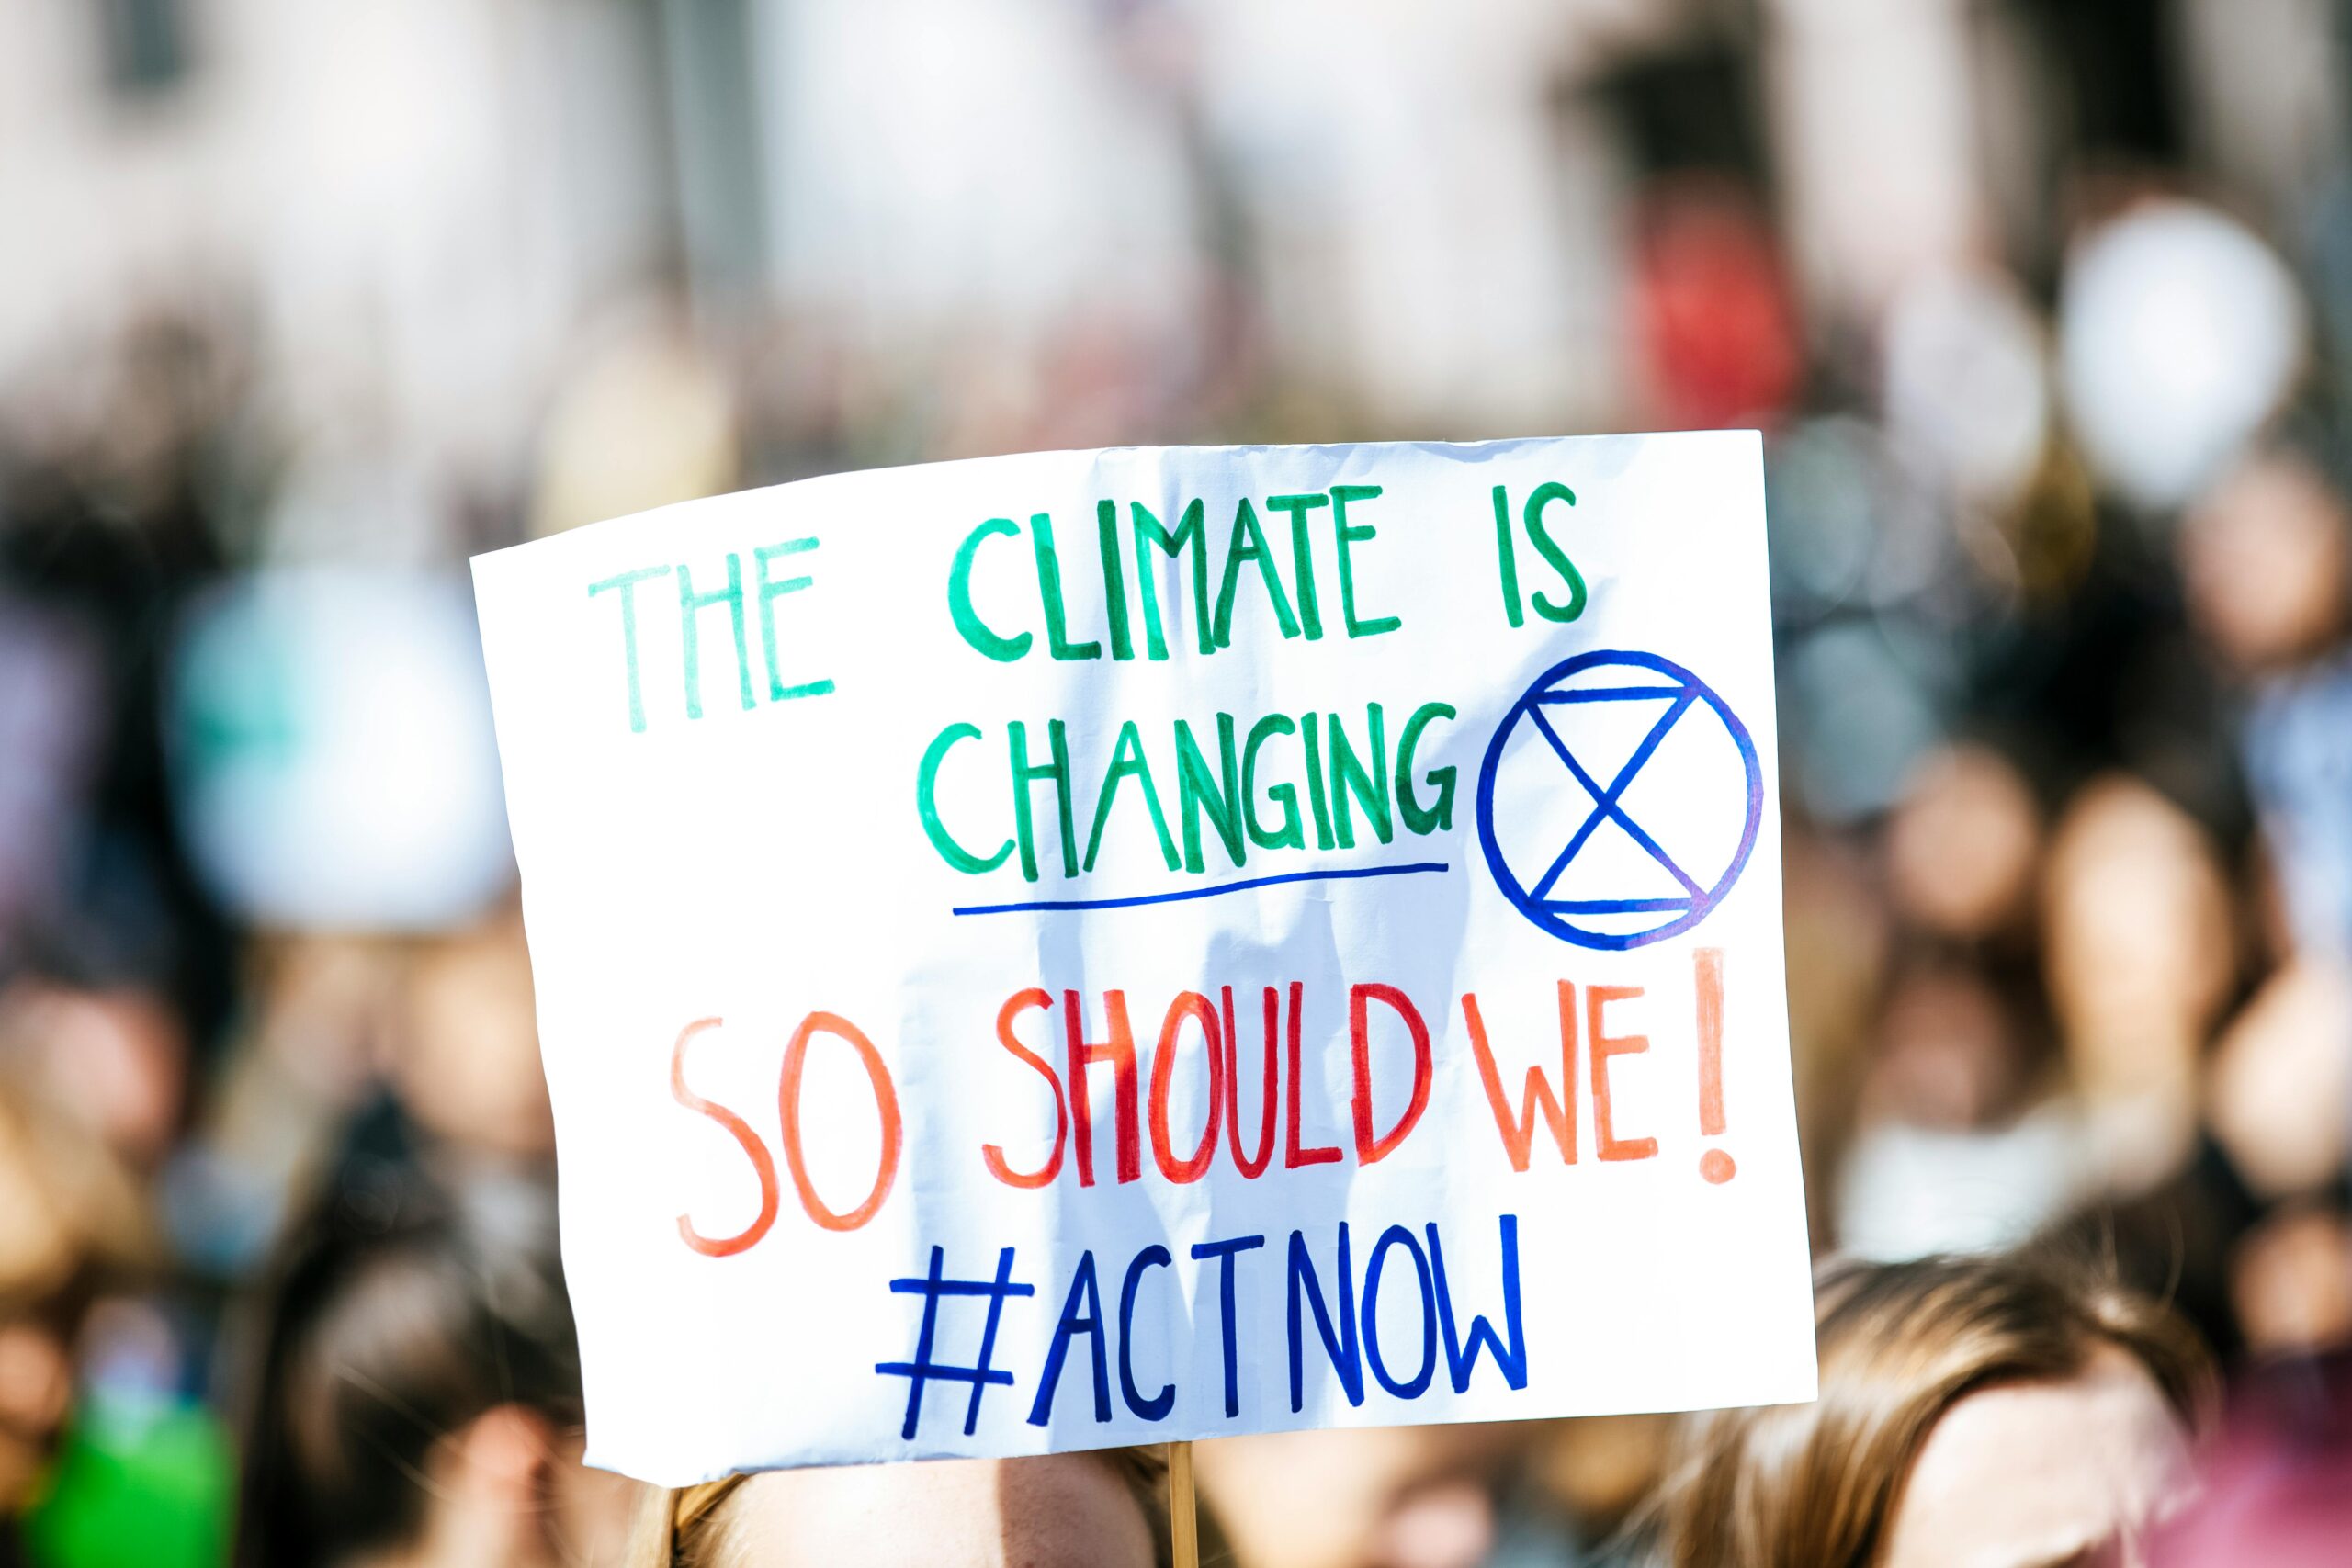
(1707, 966)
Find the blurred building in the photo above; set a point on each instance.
(1433, 214)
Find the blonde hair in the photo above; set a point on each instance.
(693, 1526)
(1817, 1485)
(673, 1526)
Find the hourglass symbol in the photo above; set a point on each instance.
(1568, 886)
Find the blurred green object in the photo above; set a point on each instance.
(153, 1490)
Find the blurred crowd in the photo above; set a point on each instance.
(2061, 566)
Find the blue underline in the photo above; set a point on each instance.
(1182, 894)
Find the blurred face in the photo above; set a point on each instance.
(1384, 1496)
(1948, 1056)
(1961, 844)
(36, 1387)
(2264, 562)
(1061, 1511)
(2045, 1475)
(469, 1069)
(2137, 922)
(116, 1059)
(2278, 1083)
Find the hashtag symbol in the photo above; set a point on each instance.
(922, 1368)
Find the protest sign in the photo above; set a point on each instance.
(1089, 948)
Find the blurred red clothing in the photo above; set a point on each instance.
(1718, 329)
(2278, 1483)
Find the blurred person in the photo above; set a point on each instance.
(145, 1473)
(74, 1230)
(2266, 561)
(1715, 317)
(2278, 1091)
(1599, 1470)
(2276, 1485)
(2138, 956)
(322, 1016)
(1941, 1135)
(2290, 1282)
(2006, 1410)
(52, 722)
(73, 1217)
(116, 483)
(1958, 1145)
(466, 1063)
(2140, 959)
(1962, 843)
(1072, 1510)
(1838, 935)
(444, 1024)
(2242, 1235)
(1386, 1496)
(114, 1056)
(411, 1395)
(645, 418)
(96, 1009)
(2179, 1241)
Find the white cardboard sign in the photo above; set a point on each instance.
(1087, 948)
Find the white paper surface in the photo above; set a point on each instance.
(763, 872)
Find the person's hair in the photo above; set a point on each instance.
(399, 1310)
(693, 1526)
(1818, 1485)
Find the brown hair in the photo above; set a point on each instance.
(1817, 1485)
(692, 1527)
(398, 1310)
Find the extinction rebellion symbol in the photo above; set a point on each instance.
(1619, 800)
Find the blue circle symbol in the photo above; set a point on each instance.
(1568, 708)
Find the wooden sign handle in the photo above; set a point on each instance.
(1183, 1521)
